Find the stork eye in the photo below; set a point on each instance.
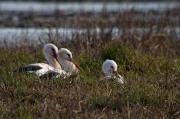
(53, 51)
(112, 67)
(69, 55)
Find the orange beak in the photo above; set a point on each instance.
(75, 63)
(56, 57)
(115, 73)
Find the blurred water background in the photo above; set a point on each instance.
(33, 21)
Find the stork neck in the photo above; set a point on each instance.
(53, 62)
(63, 62)
(56, 64)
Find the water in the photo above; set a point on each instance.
(87, 6)
(35, 35)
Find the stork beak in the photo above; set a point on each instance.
(115, 73)
(56, 57)
(75, 63)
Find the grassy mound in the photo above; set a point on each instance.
(151, 91)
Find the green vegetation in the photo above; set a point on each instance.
(151, 91)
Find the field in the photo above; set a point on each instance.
(150, 63)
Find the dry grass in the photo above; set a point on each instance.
(150, 63)
(152, 89)
(104, 19)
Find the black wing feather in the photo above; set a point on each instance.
(28, 68)
(50, 74)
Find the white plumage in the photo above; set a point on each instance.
(41, 69)
(67, 62)
(109, 69)
(53, 67)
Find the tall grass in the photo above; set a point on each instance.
(149, 61)
(151, 89)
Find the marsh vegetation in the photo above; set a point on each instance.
(149, 61)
